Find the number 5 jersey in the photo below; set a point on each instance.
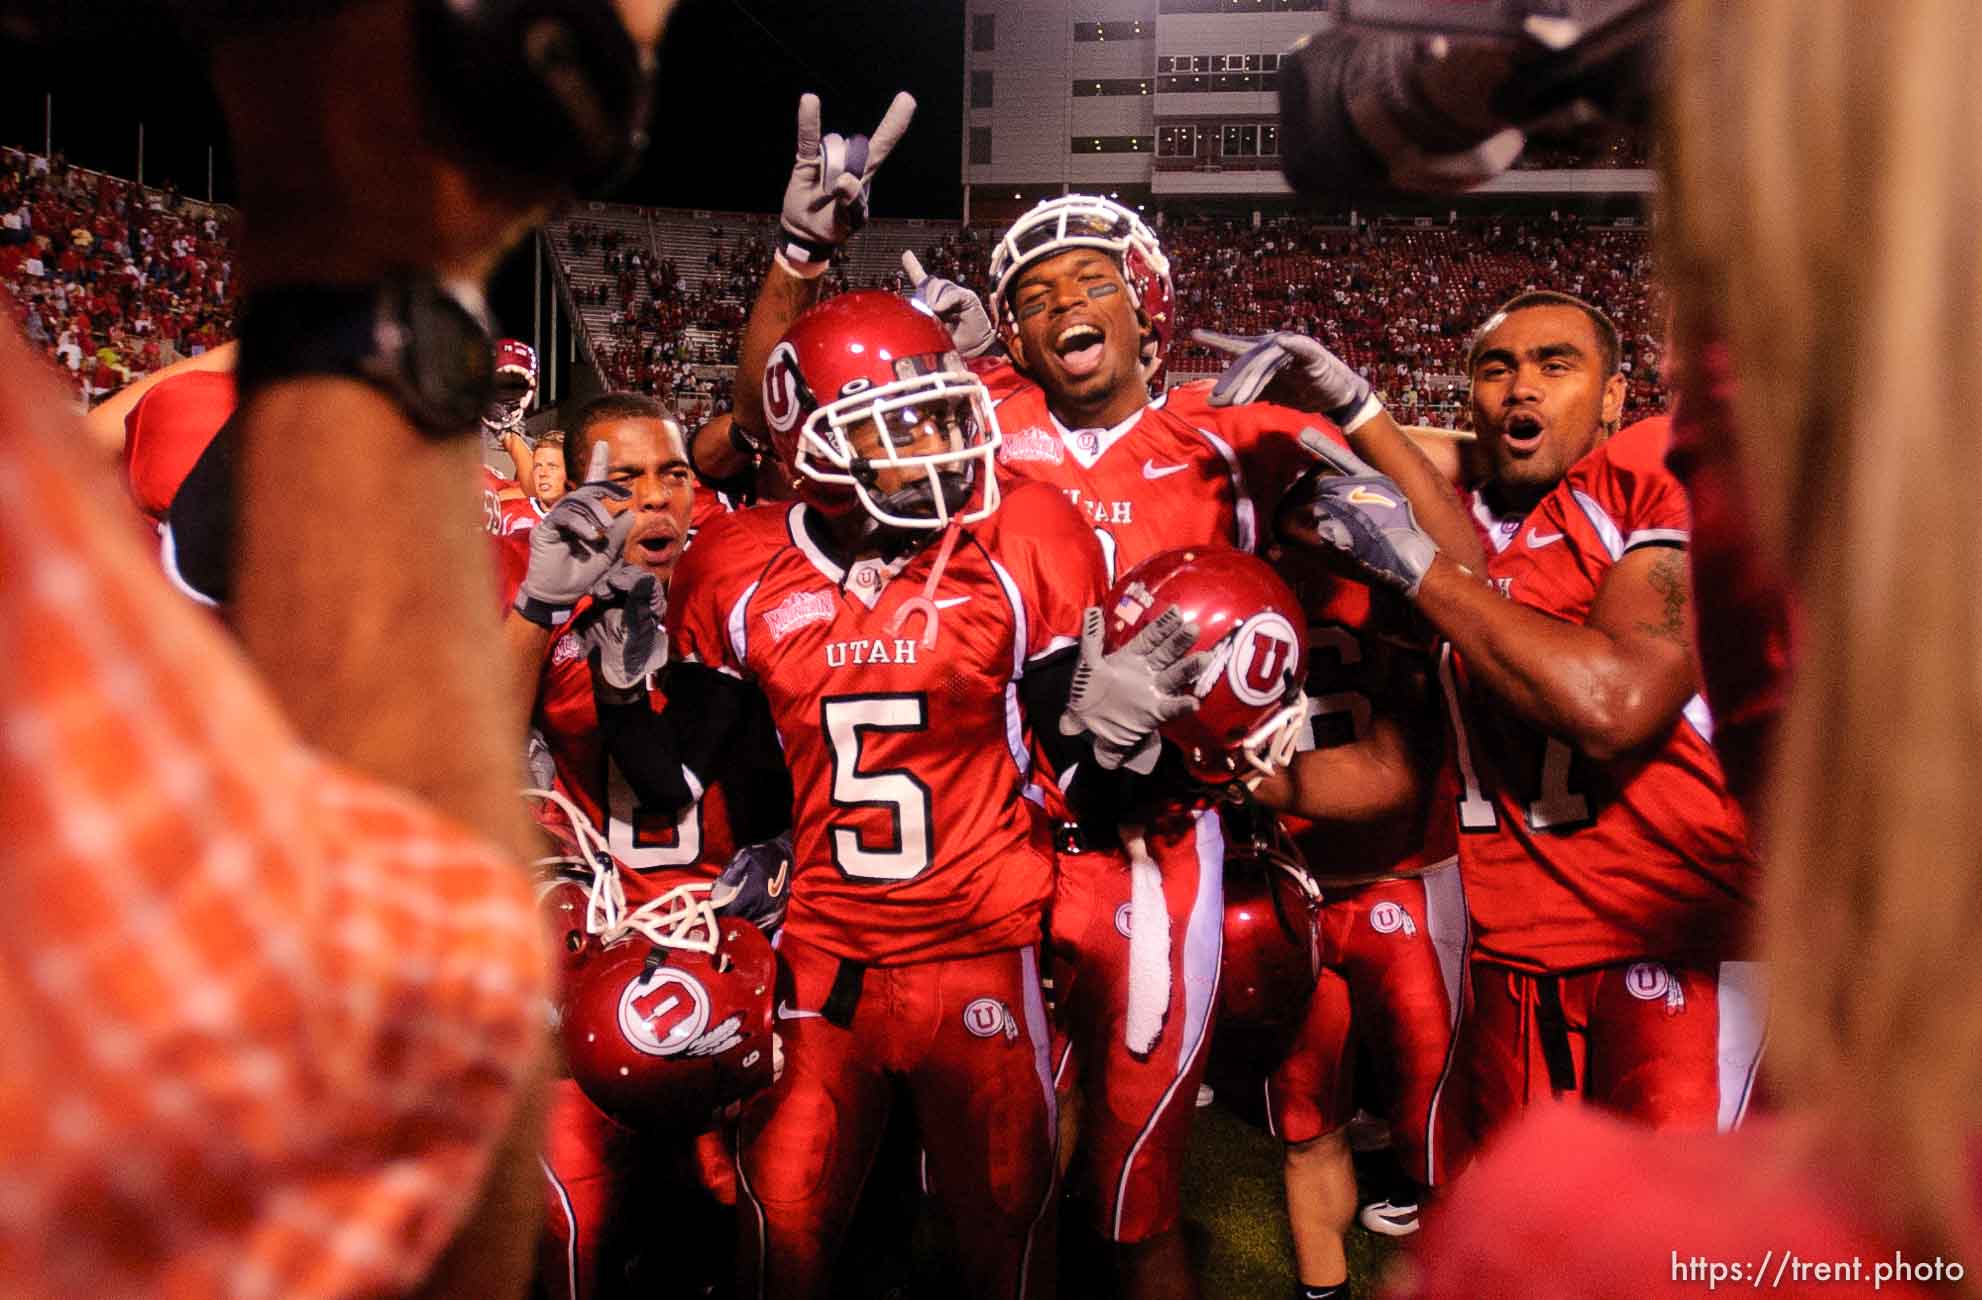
(913, 838)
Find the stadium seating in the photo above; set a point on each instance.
(111, 281)
(1395, 299)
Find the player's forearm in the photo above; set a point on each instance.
(519, 455)
(716, 457)
(1572, 681)
(1374, 779)
(784, 297)
(363, 597)
(1439, 511)
(523, 646)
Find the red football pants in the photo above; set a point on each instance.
(1384, 986)
(1671, 1046)
(1137, 1116)
(968, 1039)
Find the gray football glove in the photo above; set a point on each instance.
(623, 626)
(826, 198)
(1362, 514)
(1120, 699)
(573, 545)
(961, 311)
(755, 886)
(1291, 369)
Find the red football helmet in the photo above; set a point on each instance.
(515, 384)
(1250, 709)
(1272, 953)
(661, 1034)
(1090, 221)
(871, 359)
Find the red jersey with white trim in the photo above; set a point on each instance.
(519, 514)
(912, 840)
(655, 852)
(1570, 862)
(1366, 657)
(1179, 472)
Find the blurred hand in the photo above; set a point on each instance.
(341, 180)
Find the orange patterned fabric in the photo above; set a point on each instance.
(262, 1021)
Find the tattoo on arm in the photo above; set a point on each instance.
(1668, 578)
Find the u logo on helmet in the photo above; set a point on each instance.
(663, 1011)
(781, 405)
(1263, 652)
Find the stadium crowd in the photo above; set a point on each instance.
(111, 281)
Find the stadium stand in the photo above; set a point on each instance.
(112, 286)
(1397, 299)
(110, 280)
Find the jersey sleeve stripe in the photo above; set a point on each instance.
(1607, 529)
(1242, 502)
(1052, 647)
(1020, 632)
(739, 625)
(1656, 537)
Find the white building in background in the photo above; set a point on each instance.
(1146, 100)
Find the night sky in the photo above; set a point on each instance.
(731, 74)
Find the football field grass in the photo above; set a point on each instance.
(1235, 1224)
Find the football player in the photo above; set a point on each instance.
(671, 766)
(1607, 871)
(1389, 922)
(1081, 296)
(911, 622)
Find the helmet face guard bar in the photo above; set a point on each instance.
(681, 918)
(825, 449)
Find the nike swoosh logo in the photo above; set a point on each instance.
(1152, 471)
(1538, 540)
(786, 1011)
(1364, 496)
(952, 602)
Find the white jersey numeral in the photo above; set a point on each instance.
(912, 843)
(623, 817)
(1555, 807)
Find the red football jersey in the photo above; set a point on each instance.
(654, 851)
(517, 515)
(1365, 658)
(912, 841)
(1570, 862)
(1179, 472)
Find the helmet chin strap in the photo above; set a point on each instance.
(925, 603)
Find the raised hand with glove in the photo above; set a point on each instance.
(1120, 699)
(831, 181)
(1293, 370)
(574, 545)
(621, 632)
(961, 311)
(1360, 513)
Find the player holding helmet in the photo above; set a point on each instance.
(909, 622)
(1082, 299)
(664, 770)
